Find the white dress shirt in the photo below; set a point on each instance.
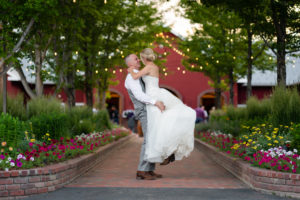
(136, 89)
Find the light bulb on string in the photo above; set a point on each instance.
(122, 56)
(49, 73)
(193, 66)
(178, 68)
(270, 58)
(76, 52)
(96, 71)
(121, 70)
(105, 1)
(55, 53)
(251, 57)
(234, 57)
(109, 57)
(78, 70)
(183, 71)
(196, 58)
(164, 69)
(201, 67)
(114, 71)
(166, 74)
(74, 1)
(106, 69)
(217, 61)
(99, 53)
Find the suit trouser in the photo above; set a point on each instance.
(144, 165)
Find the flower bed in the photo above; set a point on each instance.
(38, 154)
(18, 181)
(264, 147)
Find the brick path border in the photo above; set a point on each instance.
(267, 181)
(21, 183)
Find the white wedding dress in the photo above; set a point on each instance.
(170, 131)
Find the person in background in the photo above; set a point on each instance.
(114, 114)
(200, 114)
(131, 121)
(205, 114)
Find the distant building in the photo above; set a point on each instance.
(191, 87)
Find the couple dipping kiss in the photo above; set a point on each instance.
(168, 124)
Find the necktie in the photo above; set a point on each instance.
(142, 84)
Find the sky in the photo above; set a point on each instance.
(172, 17)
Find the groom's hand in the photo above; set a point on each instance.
(160, 105)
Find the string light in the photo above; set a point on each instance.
(183, 71)
(76, 52)
(109, 57)
(164, 69)
(294, 61)
(165, 53)
(105, 1)
(99, 53)
(208, 46)
(106, 69)
(270, 58)
(96, 71)
(122, 56)
(234, 57)
(55, 53)
(74, 1)
(78, 70)
(188, 50)
(121, 70)
(193, 66)
(217, 61)
(49, 73)
(196, 58)
(201, 67)
(121, 52)
(114, 71)
(166, 74)
(251, 57)
(178, 68)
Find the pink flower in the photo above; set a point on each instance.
(30, 144)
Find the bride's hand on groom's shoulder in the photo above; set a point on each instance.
(130, 69)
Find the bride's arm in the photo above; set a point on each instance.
(139, 74)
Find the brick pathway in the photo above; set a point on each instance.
(118, 170)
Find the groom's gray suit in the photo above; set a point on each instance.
(141, 114)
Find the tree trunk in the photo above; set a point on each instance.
(4, 92)
(1, 79)
(25, 84)
(279, 16)
(231, 85)
(88, 82)
(250, 62)
(70, 88)
(38, 70)
(102, 94)
(218, 93)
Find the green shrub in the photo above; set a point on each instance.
(296, 137)
(217, 115)
(236, 113)
(12, 130)
(285, 106)
(102, 121)
(258, 109)
(45, 105)
(202, 127)
(53, 123)
(15, 106)
(75, 117)
(85, 126)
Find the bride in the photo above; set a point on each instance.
(171, 132)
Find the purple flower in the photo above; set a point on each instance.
(2, 157)
(19, 164)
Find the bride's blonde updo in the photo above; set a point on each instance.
(148, 54)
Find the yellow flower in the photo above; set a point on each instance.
(270, 144)
(292, 128)
(3, 144)
(280, 137)
(253, 142)
(32, 140)
(2, 150)
(49, 139)
(244, 142)
(275, 129)
(47, 134)
(247, 144)
(263, 125)
(286, 127)
(274, 136)
(275, 141)
(246, 137)
(254, 147)
(10, 148)
(250, 140)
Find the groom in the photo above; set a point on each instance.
(136, 91)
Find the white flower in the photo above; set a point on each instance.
(0, 161)
(295, 150)
(20, 156)
(12, 164)
(9, 159)
(6, 169)
(289, 153)
(32, 158)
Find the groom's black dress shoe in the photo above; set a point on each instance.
(171, 158)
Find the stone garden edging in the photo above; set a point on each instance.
(20, 183)
(272, 182)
